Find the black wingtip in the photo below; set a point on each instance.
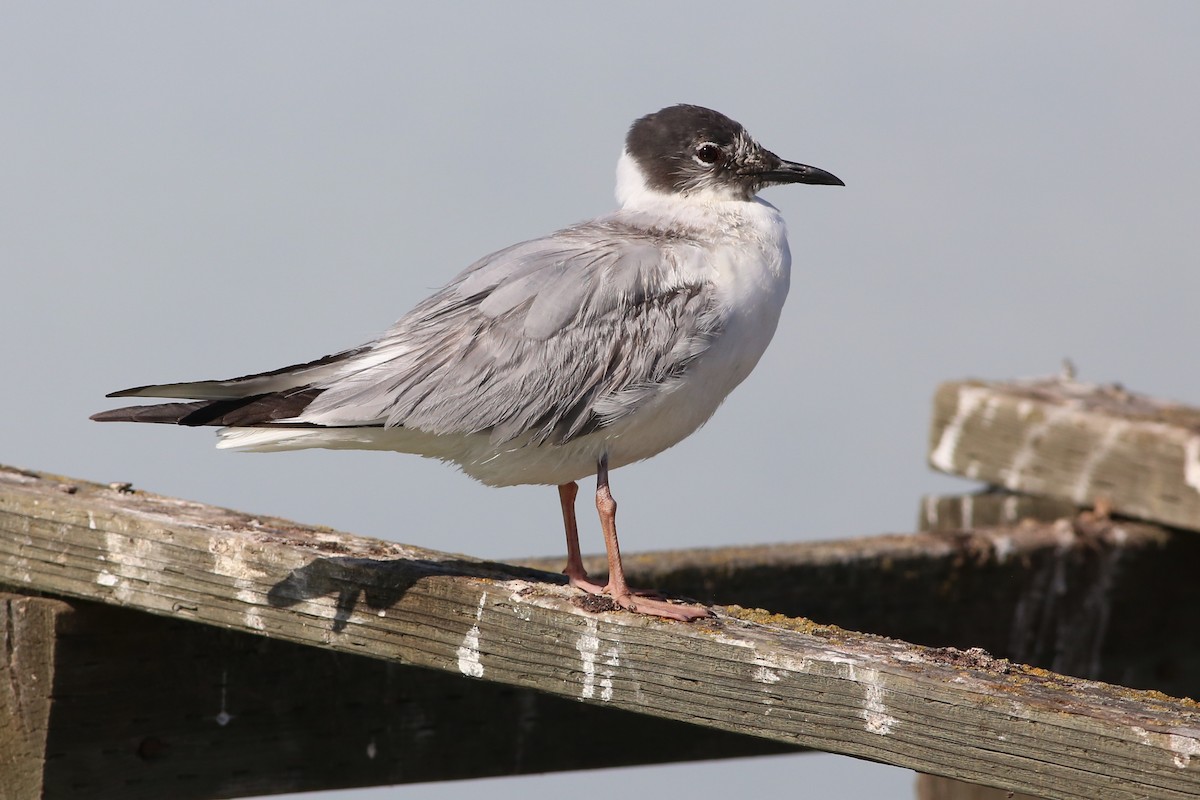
(113, 415)
(256, 409)
(166, 413)
(140, 414)
(131, 392)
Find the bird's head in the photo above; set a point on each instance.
(690, 150)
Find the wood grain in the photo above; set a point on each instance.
(946, 712)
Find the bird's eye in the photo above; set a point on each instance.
(708, 154)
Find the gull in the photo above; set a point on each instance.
(602, 344)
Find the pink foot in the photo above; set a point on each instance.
(640, 602)
(661, 608)
(582, 581)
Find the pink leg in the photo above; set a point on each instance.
(617, 588)
(576, 575)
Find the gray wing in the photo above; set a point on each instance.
(553, 337)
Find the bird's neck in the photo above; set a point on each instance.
(706, 209)
(635, 194)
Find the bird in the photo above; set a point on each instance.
(558, 358)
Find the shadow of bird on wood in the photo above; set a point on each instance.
(382, 583)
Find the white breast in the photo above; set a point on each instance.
(750, 267)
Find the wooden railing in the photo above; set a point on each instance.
(157, 646)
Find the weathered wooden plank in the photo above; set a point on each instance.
(963, 715)
(1077, 442)
(147, 707)
(1071, 596)
(27, 637)
(176, 657)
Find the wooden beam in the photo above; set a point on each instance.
(27, 635)
(147, 707)
(1070, 596)
(947, 712)
(1072, 441)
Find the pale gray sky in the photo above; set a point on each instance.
(206, 189)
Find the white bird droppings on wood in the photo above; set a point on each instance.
(588, 645)
(875, 712)
(1082, 491)
(1183, 746)
(767, 676)
(1191, 463)
(469, 663)
(969, 399)
(612, 660)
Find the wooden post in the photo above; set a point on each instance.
(959, 714)
(28, 632)
(1075, 442)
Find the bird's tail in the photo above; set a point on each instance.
(259, 409)
(260, 383)
(258, 399)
